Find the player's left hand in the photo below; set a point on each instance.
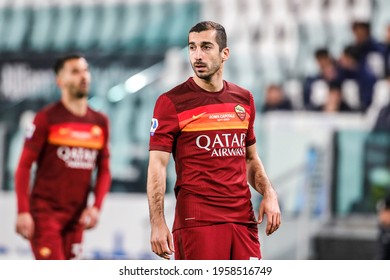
(89, 218)
(270, 207)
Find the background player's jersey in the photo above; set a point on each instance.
(70, 148)
(207, 133)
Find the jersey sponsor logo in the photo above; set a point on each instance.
(214, 117)
(76, 135)
(153, 126)
(223, 145)
(222, 116)
(77, 157)
(240, 111)
(198, 116)
(45, 252)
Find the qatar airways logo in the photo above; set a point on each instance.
(77, 157)
(223, 145)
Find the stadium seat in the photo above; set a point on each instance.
(107, 38)
(376, 63)
(337, 17)
(381, 94)
(350, 93)
(319, 93)
(135, 20)
(185, 15)
(311, 22)
(380, 98)
(176, 67)
(362, 9)
(4, 17)
(41, 30)
(254, 18)
(294, 91)
(89, 22)
(159, 26)
(380, 18)
(62, 39)
(287, 42)
(16, 28)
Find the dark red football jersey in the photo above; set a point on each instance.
(207, 133)
(67, 150)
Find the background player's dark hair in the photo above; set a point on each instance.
(61, 61)
(221, 37)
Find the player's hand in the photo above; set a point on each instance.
(90, 217)
(25, 225)
(161, 241)
(270, 207)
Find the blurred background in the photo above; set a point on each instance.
(318, 70)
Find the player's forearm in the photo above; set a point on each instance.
(156, 191)
(22, 180)
(103, 182)
(257, 176)
(156, 185)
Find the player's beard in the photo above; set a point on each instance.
(81, 91)
(207, 72)
(80, 94)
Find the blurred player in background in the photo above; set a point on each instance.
(207, 124)
(67, 140)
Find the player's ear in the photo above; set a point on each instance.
(225, 54)
(58, 81)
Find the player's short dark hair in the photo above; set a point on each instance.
(321, 53)
(221, 37)
(59, 64)
(352, 51)
(361, 24)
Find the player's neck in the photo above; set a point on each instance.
(215, 84)
(77, 106)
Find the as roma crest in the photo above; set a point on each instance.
(240, 111)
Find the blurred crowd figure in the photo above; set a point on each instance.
(334, 102)
(343, 83)
(384, 228)
(387, 51)
(276, 99)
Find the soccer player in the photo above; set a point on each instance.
(67, 140)
(207, 124)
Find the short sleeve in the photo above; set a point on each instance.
(36, 133)
(106, 148)
(251, 136)
(164, 126)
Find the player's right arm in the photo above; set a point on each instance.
(35, 139)
(161, 238)
(24, 221)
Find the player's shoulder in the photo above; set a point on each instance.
(173, 95)
(179, 89)
(100, 116)
(236, 88)
(48, 110)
